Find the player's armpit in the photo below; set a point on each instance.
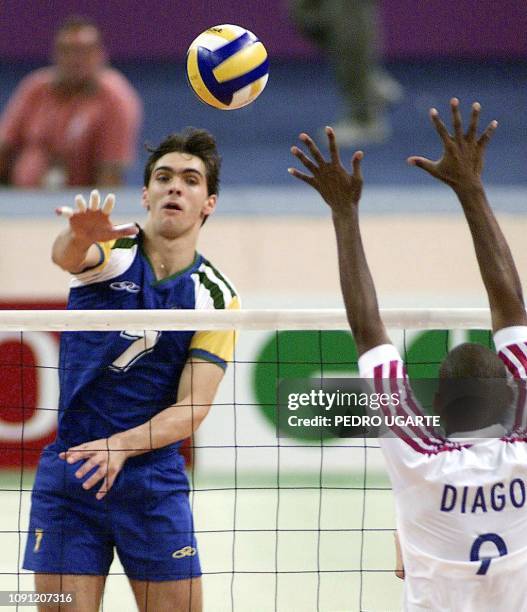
(399, 566)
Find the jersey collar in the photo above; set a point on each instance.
(495, 431)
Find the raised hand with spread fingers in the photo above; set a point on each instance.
(340, 189)
(74, 249)
(461, 164)
(460, 167)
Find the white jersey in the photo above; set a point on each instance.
(461, 503)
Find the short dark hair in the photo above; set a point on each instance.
(471, 360)
(77, 22)
(473, 388)
(193, 141)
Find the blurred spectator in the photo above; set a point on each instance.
(73, 123)
(347, 31)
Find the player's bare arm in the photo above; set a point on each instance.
(399, 566)
(342, 191)
(460, 167)
(74, 249)
(199, 382)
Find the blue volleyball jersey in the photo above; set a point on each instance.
(113, 381)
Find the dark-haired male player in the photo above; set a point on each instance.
(461, 498)
(114, 478)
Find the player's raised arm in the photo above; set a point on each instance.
(342, 191)
(75, 248)
(460, 167)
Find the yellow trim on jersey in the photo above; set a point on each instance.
(106, 248)
(219, 343)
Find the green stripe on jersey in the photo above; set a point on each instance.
(215, 291)
(221, 277)
(124, 243)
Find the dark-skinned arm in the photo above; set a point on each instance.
(460, 167)
(342, 190)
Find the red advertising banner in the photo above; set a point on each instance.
(28, 389)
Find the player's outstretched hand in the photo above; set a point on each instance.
(462, 161)
(91, 222)
(340, 189)
(103, 456)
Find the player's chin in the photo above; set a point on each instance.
(173, 228)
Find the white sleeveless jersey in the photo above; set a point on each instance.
(461, 503)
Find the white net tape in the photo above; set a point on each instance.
(181, 320)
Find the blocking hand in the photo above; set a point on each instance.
(462, 161)
(340, 189)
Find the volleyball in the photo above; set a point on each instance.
(227, 67)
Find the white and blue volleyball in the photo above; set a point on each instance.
(227, 67)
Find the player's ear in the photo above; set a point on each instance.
(144, 199)
(210, 205)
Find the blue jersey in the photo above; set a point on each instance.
(113, 381)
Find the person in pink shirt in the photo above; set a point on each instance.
(74, 123)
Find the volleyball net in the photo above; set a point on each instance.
(286, 519)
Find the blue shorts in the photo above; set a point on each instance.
(145, 517)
